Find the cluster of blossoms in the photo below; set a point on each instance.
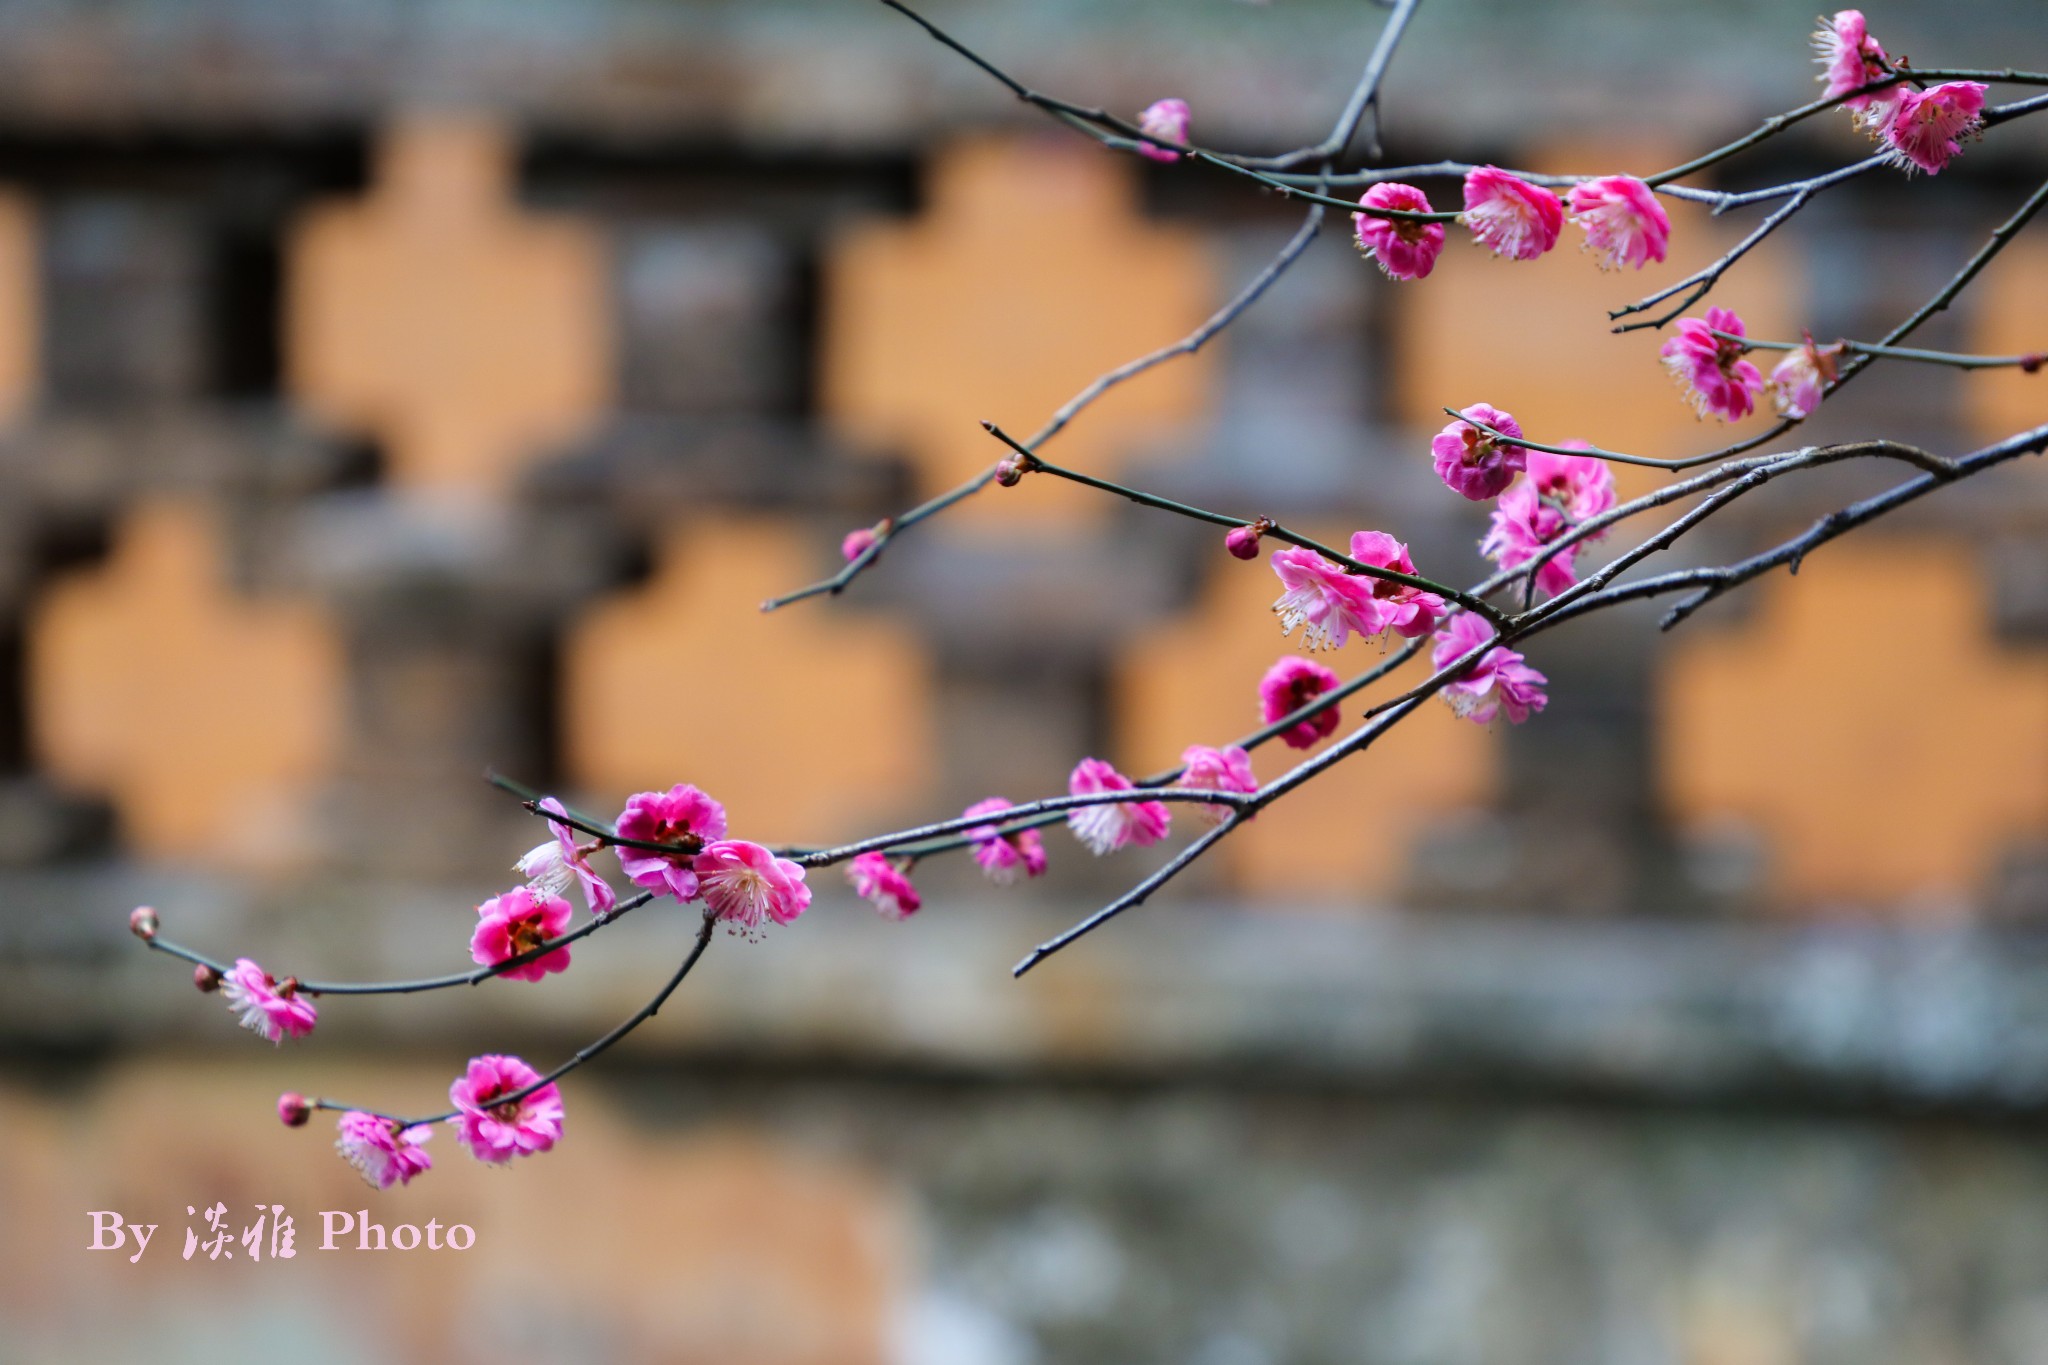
(1512, 218)
(502, 1110)
(1921, 128)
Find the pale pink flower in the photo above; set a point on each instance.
(383, 1153)
(521, 920)
(682, 814)
(1801, 379)
(494, 1130)
(1926, 126)
(1323, 599)
(1499, 681)
(1223, 770)
(549, 868)
(1849, 60)
(1474, 464)
(266, 1007)
(1624, 223)
(1509, 216)
(1405, 248)
(1716, 377)
(1112, 825)
(748, 885)
(1002, 856)
(882, 885)
(856, 543)
(1288, 686)
(1410, 611)
(1165, 119)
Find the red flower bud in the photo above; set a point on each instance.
(292, 1109)
(142, 923)
(205, 978)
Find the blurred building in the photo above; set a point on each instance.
(397, 391)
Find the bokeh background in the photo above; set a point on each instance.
(397, 389)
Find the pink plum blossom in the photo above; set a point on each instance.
(856, 543)
(883, 886)
(518, 921)
(1557, 493)
(1624, 223)
(383, 1153)
(267, 1007)
(1926, 126)
(1223, 770)
(1499, 681)
(1405, 248)
(1112, 825)
(682, 814)
(1473, 463)
(1410, 611)
(1243, 542)
(1849, 60)
(494, 1130)
(549, 868)
(748, 885)
(1801, 379)
(1716, 377)
(1288, 686)
(1328, 603)
(1164, 119)
(1002, 856)
(1509, 216)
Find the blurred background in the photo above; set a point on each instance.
(394, 389)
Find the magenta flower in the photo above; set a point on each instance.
(1223, 770)
(266, 1007)
(1624, 223)
(1499, 681)
(1473, 463)
(549, 868)
(519, 921)
(1109, 827)
(383, 1153)
(1558, 492)
(1523, 523)
(1849, 60)
(1405, 249)
(1509, 216)
(1002, 856)
(1801, 379)
(494, 1130)
(748, 885)
(1165, 119)
(1323, 599)
(1291, 684)
(856, 543)
(1926, 126)
(883, 886)
(681, 815)
(1580, 486)
(1409, 610)
(1716, 377)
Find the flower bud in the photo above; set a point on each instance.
(1009, 471)
(206, 978)
(2032, 361)
(142, 923)
(1243, 541)
(292, 1109)
(856, 543)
